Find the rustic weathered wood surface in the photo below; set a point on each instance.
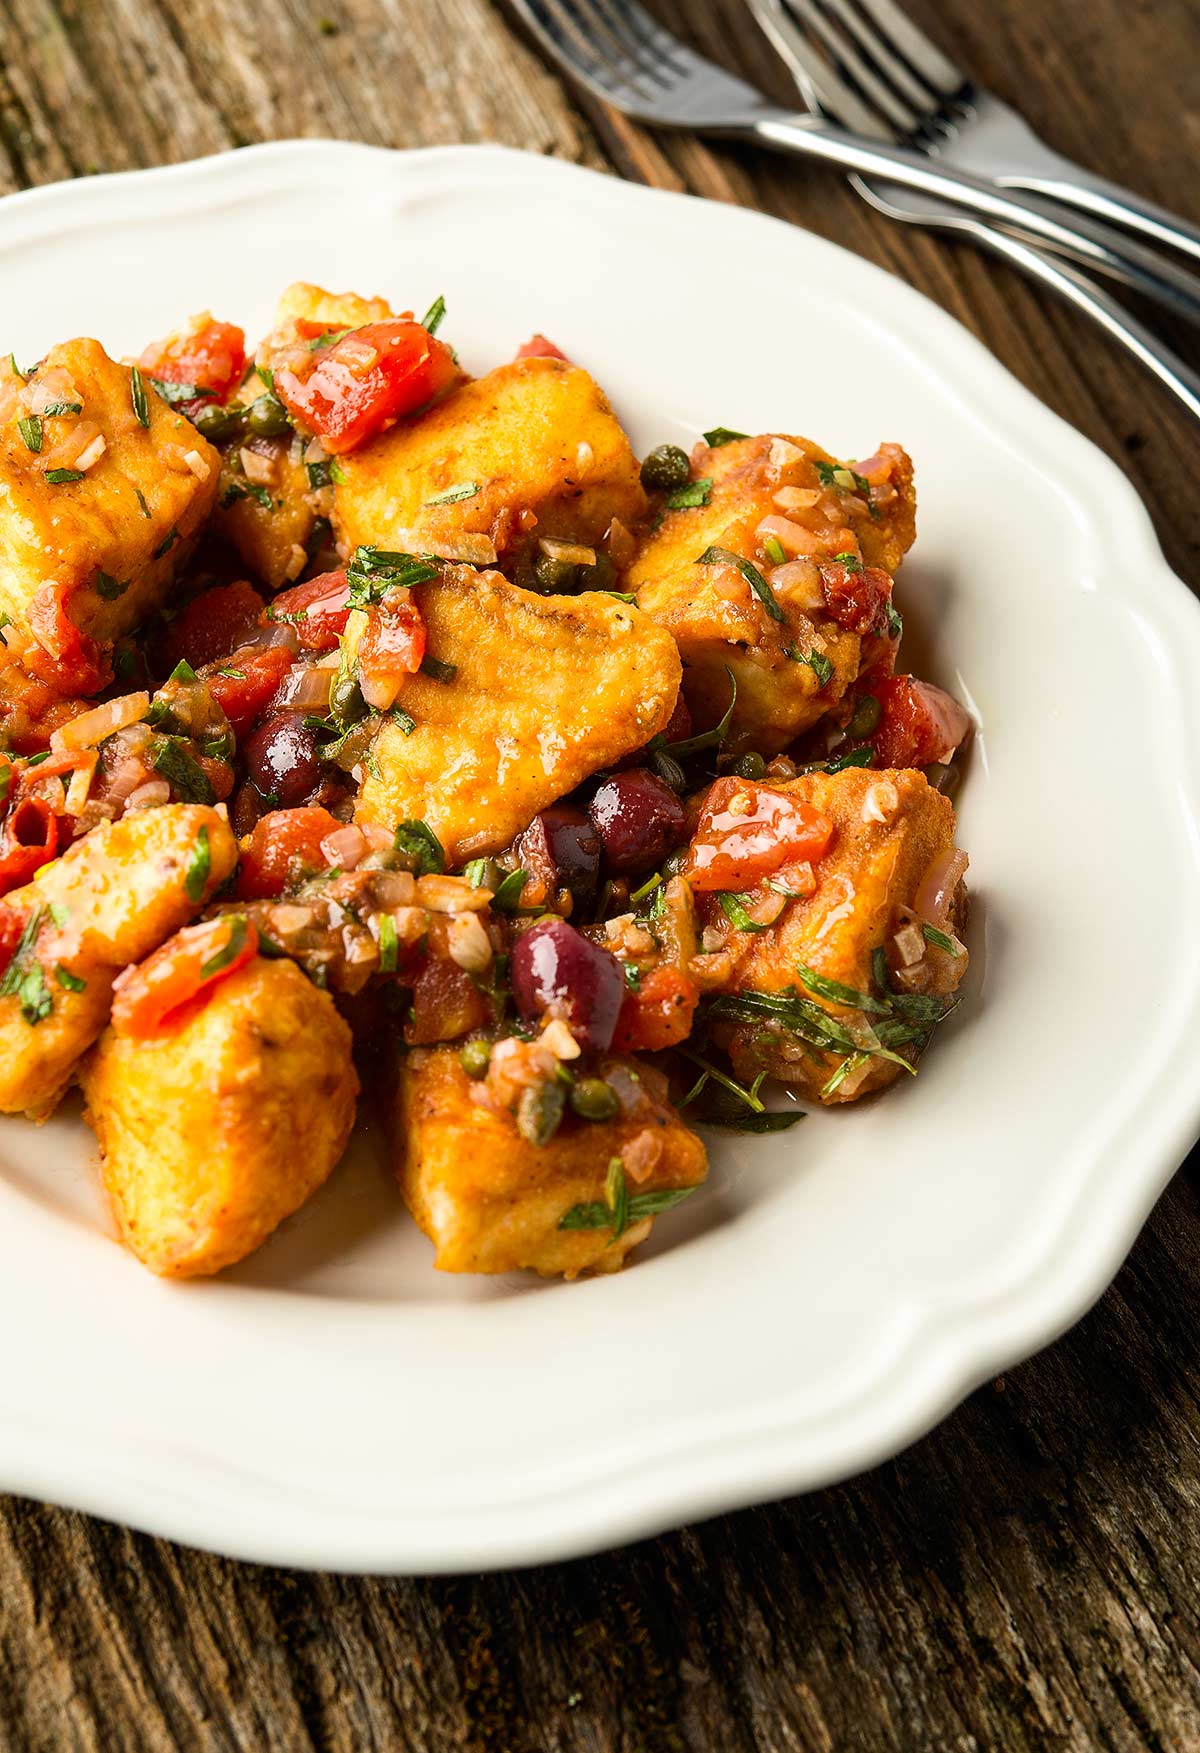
(1026, 1577)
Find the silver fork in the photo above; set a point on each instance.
(915, 94)
(623, 56)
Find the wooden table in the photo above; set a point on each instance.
(1026, 1577)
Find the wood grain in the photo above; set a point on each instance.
(1026, 1577)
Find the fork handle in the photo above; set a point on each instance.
(1108, 202)
(814, 137)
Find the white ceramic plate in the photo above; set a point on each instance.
(835, 1291)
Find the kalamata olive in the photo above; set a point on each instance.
(268, 418)
(575, 848)
(281, 759)
(555, 965)
(667, 466)
(638, 819)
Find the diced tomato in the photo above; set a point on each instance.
(212, 624)
(12, 928)
(61, 655)
(537, 347)
(283, 849)
(317, 609)
(747, 831)
(245, 684)
(659, 1014)
(855, 595)
(445, 1004)
(151, 999)
(213, 357)
(918, 723)
(28, 840)
(393, 642)
(365, 381)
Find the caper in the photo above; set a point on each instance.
(556, 576)
(540, 1110)
(865, 716)
(214, 422)
(475, 1056)
(268, 418)
(601, 576)
(666, 468)
(346, 702)
(593, 1099)
(750, 765)
(673, 863)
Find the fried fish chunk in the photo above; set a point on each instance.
(821, 542)
(98, 511)
(108, 901)
(211, 1136)
(491, 1201)
(544, 691)
(531, 450)
(890, 870)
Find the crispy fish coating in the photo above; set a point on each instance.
(213, 1135)
(491, 1201)
(108, 901)
(789, 670)
(536, 441)
(892, 832)
(546, 690)
(102, 550)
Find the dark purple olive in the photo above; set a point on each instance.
(575, 849)
(555, 965)
(281, 759)
(638, 819)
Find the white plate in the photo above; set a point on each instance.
(834, 1292)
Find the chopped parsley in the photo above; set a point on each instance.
(372, 572)
(182, 772)
(229, 950)
(507, 897)
(328, 339)
(754, 578)
(816, 661)
(247, 490)
(173, 393)
(621, 1208)
(58, 408)
(734, 908)
(167, 543)
(137, 390)
(141, 499)
(199, 869)
(464, 490)
(940, 940)
(417, 842)
(860, 757)
(839, 476)
(404, 719)
(30, 429)
(68, 981)
(438, 668)
(25, 977)
(775, 550)
(706, 739)
(687, 498)
(108, 587)
(61, 477)
(432, 320)
(722, 435)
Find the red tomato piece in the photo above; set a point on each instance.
(918, 723)
(537, 347)
(212, 624)
(365, 381)
(317, 609)
(283, 849)
(245, 684)
(393, 641)
(149, 1000)
(29, 840)
(61, 655)
(12, 929)
(855, 595)
(747, 831)
(213, 357)
(445, 1004)
(659, 1014)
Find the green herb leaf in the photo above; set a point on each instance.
(404, 719)
(851, 562)
(199, 869)
(440, 671)
(230, 950)
(507, 897)
(183, 672)
(707, 739)
(616, 1195)
(722, 435)
(633, 976)
(62, 477)
(843, 1071)
(267, 376)
(600, 1217)
(836, 993)
(56, 409)
(68, 981)
(141, 499)
(940, 940)
(688, 498)
(108, 587)
(775, 550)
(374, 571)
(861, 757)
(622, 596)
(734, 908)
(817, 662)
(844, 479)
(35, 996)
(749, 1097)
(432, 319)
(137, 390)
(320, 342)
(183, 774)
(754, 578)
(24, 976)
(646, 888)
(388, 944)
(895, 623)
(318, 474)
(418, 843)
(30, 429)
(174, 393)
(464, 490)
(167, 543)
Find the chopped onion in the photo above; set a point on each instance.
(797, 498)
(910, 945)
(392, 888)
(783, 453)
(573, 553)
(259, 469)
(935, 894)
(358, 355)
(468, 547)
(344, 847)
(585, 456)
(880, 802)
(49, 387)
(379, 691)
(449, 894)
(199, 466)
(149, 796)
(793, 536)
(314, 452)
(641, 1155)
(799, 582)
(91, 453)
(81, 783)
(289, 920)
(92, 727)
(69, 452)
(305, 687)
(471, 948)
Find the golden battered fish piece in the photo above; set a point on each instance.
(892, 832)
(490, 1201)
(812, 509)
(211, 1136)
(108, 901)
(545, 691)
(101, 545)
(537, 444)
